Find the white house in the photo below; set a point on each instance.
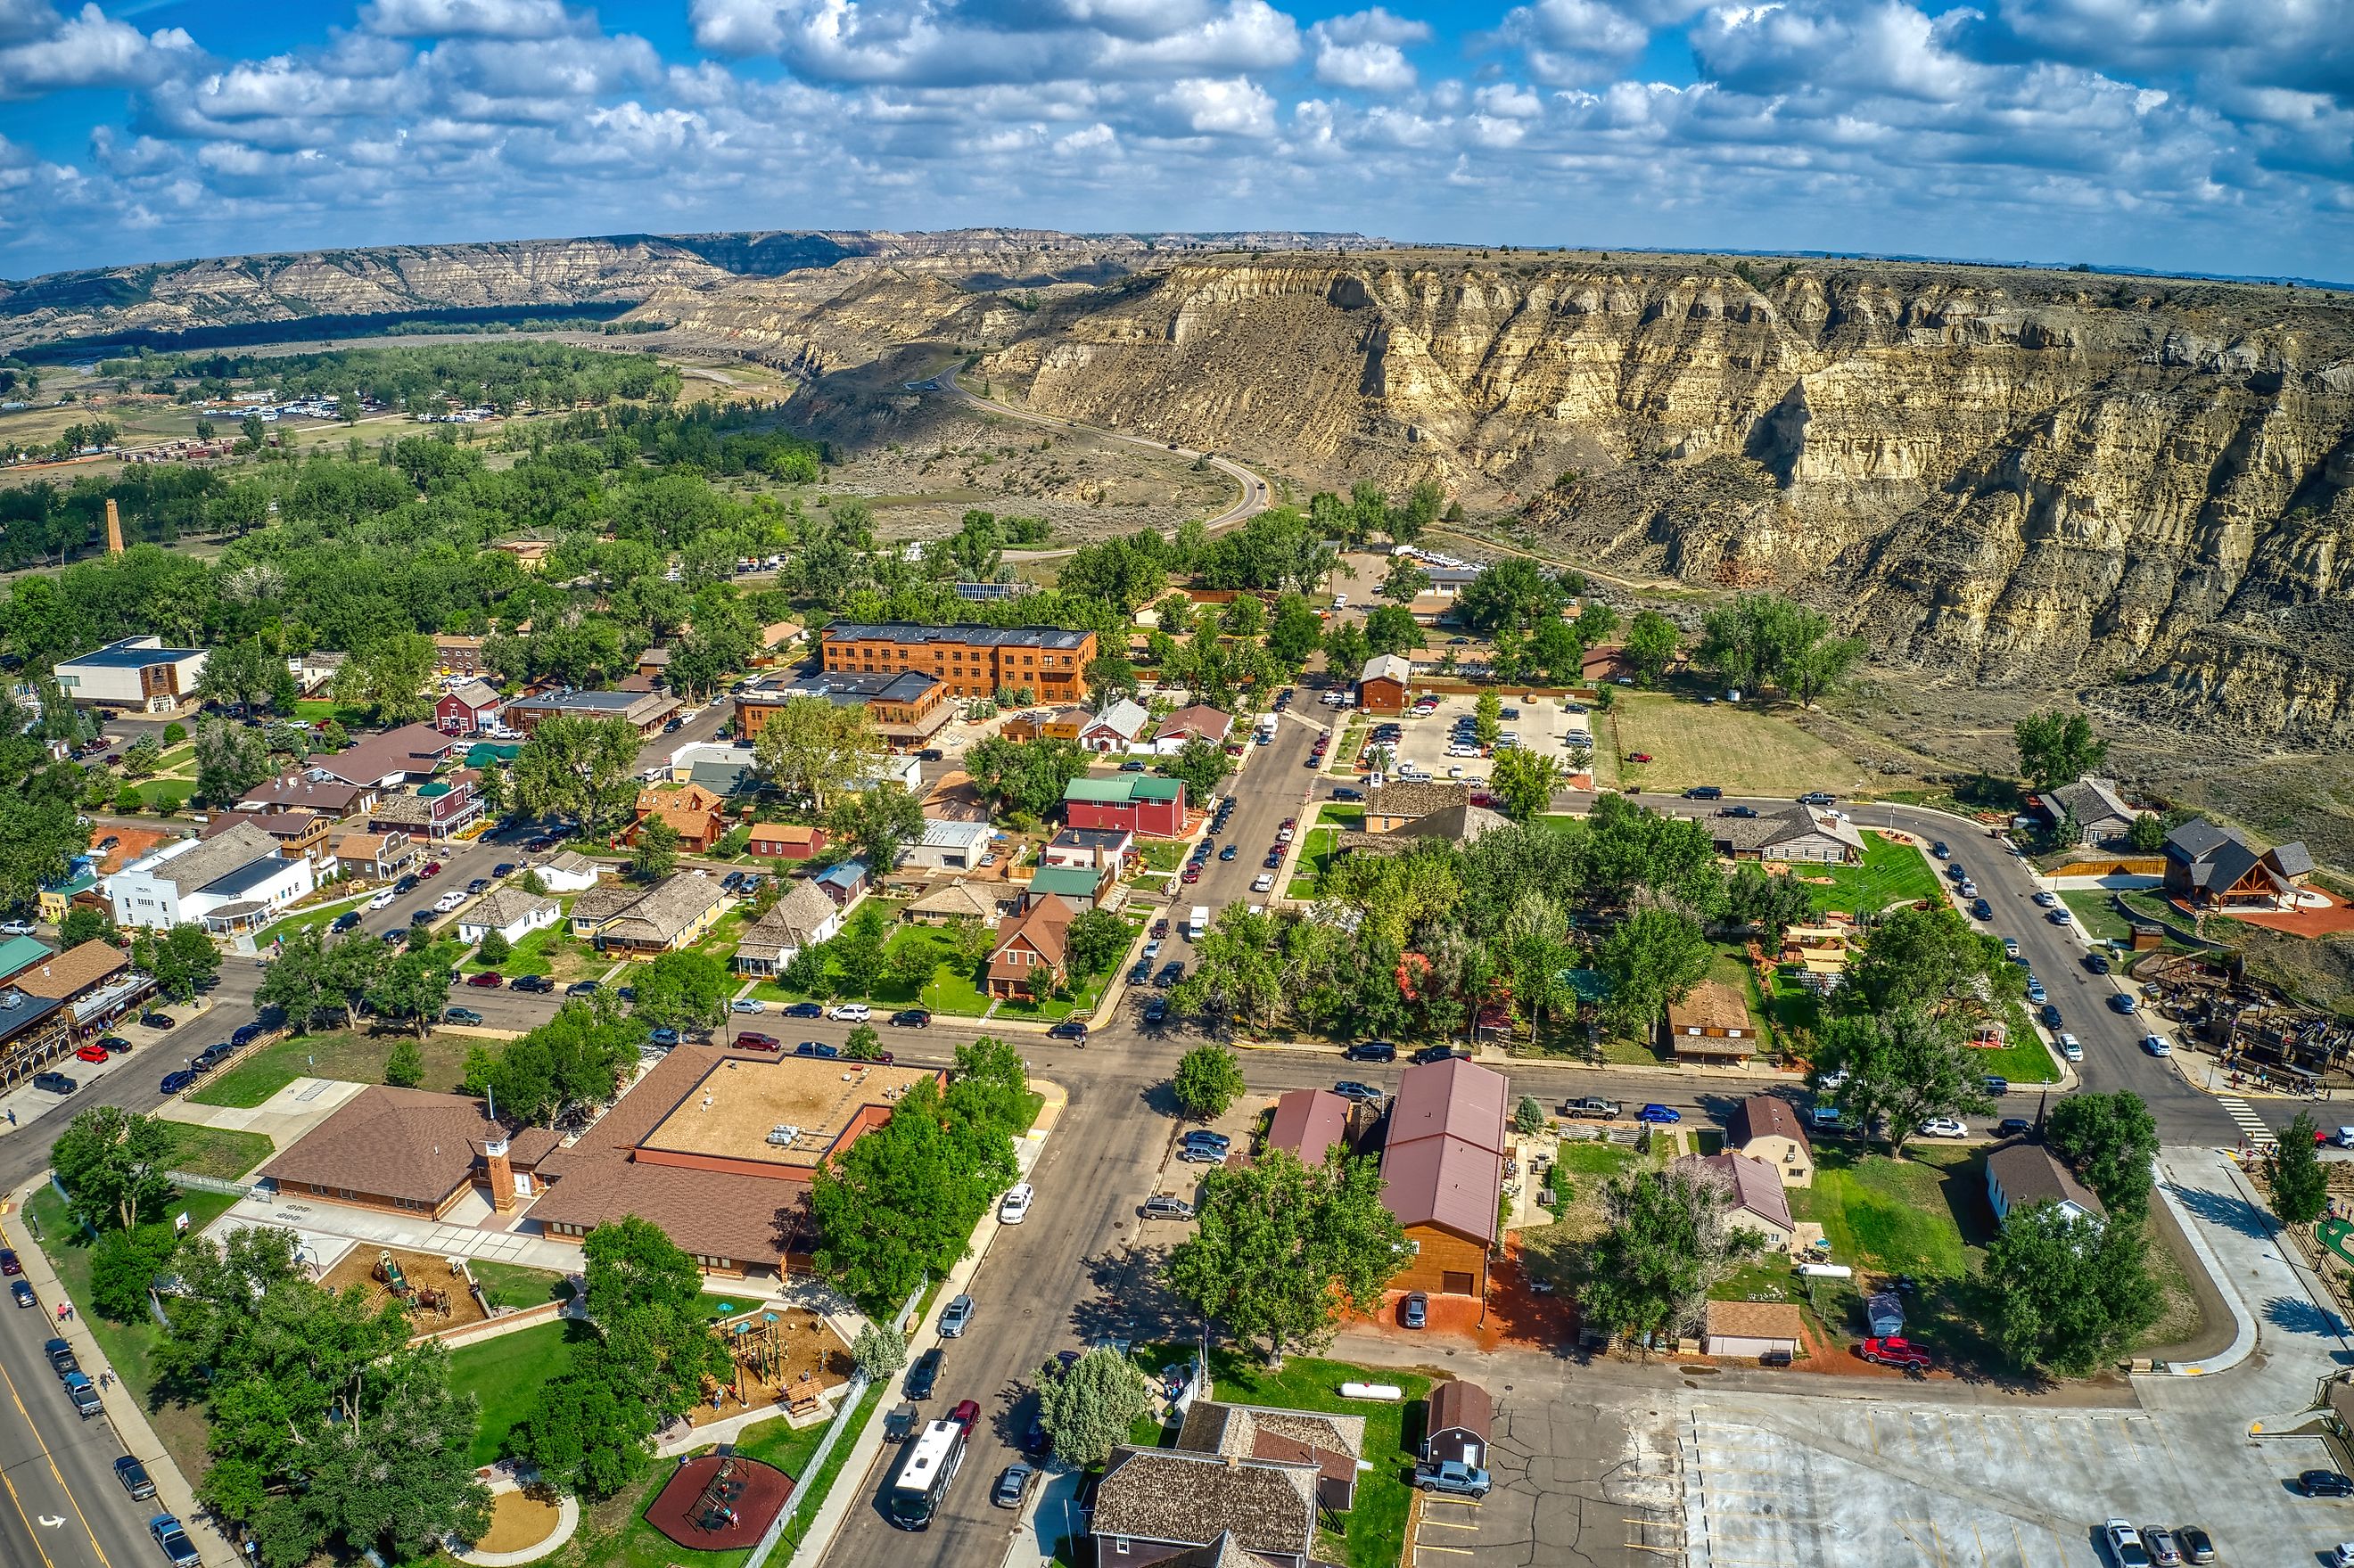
(1117, 728)
(135, 674)
(234, 881)
(2019, 1173)
(1198, 722)
(950, 845)
(511, 911)
(803, 918)
(567, 871)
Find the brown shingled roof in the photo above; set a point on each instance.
(1763, 1116)
(73, 971)
(401, 1144)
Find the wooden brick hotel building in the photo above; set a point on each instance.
(974, 661)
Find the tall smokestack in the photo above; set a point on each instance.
(113, 528)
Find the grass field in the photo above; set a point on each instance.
(950, 989)
(548, 952)
(2094, 911)
(1892, 873)
(304, 918)
(505, 1375)
(217, 1151)
(348, 1055)
(513, 1285)
(1743, 750)
(1895, 1215)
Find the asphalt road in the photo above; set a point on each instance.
(64, 1507)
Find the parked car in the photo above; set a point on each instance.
(583, 988)
(2097, 963)
(1200, 1154)
(2325, 1484)
(479, 885)
(1014, 1207)
(819, 1049)
(1452, 1477)
(1893, 1352)
(1209, 1138)
(179, 1082)
(460, 1015)
(1945, 1126)
(2035, 991)
(212, 1056)
(2125, 1544)
(911, 1018)
(748, 1004)
(2012, 1126)
(23, 1293)
(2058, 917)
(115, 1044)
(1370, 1051)
(1982, 910)
(172, 1542)
(924, 1374)
(1660, 1116)
(61, 1357)
(1012, 1485)
(2049, 1015)
(2155, 1046)
(55, 1082)
(1430, 1054)
(1069, 1029)
(2046, 898)
(2123, 1001)
(490, 978)
(1817, 797)
(159, 1021)
(134, 1478)
(2196, 1545)
(1941, 849)
(753, 1040)
(956, 1317)
(805, 1010)
(2164, 1551)
(532, 983)
(1744, 811)
(1996, 1083)
(245, 1033)
(1264, 882)
(83, 1396)
(1591, 1107)
(1414, 1313)
(348, 920)
(1356, 1093)
(1163, 1206)
(2071, 1047)
(10, 1267)
(1704, 792)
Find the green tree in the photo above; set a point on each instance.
(859, 951)
(1903, 1066)
(1488, 716)
(1199, 764)
(404, 1068)
(1209, 1078)
(655, 854)
(387, 679)
(810, 749)
(1529, 1117)
(2069, 1293)
(1524, 782)
(1749, 644)
(1514, 593)
(493, 949)
(141, 758)
(864, 1045)
(416, 987)
(2147, 832)
(1772, 903)
(1650, 1272)
(911, 965)
(901, 1202)
(123, 1267)
(2112, 1140)
(1283, 1252)
(1237, 969)
(684, 990)
(1028, 776)
(84, 924)
(177, 958)
(1392, 628)
(1404, 580)
(1245, 616)
(1345, 650)
(1089, 1407)
(2300, 1187)
(1095, 941)
(1650, 647)
(1627, 847)
(581, 767)
(882, 820)
(1820, 664)
(2057, 748)
(880, 1352)
(1652, 958)
(230, 761)
(112, 1162)
(1933, 959)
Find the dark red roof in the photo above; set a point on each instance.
(1308, 1122)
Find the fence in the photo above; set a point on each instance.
(843, 1416)
(208, 1183)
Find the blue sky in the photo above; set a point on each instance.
(2192, 135)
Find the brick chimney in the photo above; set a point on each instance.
(113, 528)
(502, 1174)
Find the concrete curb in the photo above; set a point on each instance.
(2244, 1327)
(173, 1493)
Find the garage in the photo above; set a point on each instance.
(1754, 1330)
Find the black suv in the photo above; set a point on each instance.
(1372, 1051)
(1704, 792)
(530, 982)
(1430, 1054)
(924, 1374)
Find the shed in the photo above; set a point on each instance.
(1308, 1122)
(1457, 1427)
(1754, 1328)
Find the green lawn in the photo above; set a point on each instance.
(531, 954)
(348, 1055)
(2025, 1060)
(307, 917)
(2100, 918)
(319, 710)
(505, 1375)
(216, 1151)
(1315, 859)
(513, 1285)
(1896, 1216)
(948, 991)
(1892, 873)
(1376, 1527)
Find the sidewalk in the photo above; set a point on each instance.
(849, 1482)
(173, 1493)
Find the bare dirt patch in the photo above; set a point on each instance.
(518, 1521)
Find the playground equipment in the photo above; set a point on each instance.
(387, 1274)
(428, 1300)
(716, 1508)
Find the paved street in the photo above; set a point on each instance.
(64, 1507)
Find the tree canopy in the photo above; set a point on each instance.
(2069, 1292)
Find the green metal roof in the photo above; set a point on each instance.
(1078, 879)
(1105, 791)
(1146, 787)
(22, 953)
(432, 791)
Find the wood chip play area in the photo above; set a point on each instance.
(787, 1356)
(434, 1291)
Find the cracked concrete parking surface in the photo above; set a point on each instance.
(1577, 1480)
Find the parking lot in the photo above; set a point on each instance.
(1796, 1484)
(1576, 1481)
(1543, 726)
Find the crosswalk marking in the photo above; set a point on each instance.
(2248, 1121)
